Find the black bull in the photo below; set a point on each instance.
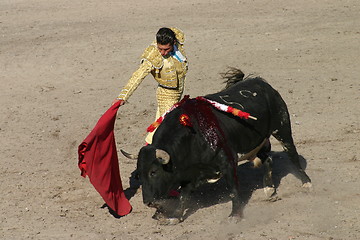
(196, 143)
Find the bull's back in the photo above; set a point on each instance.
(246, 94)
(260, 100)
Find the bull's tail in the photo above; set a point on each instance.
(232, 76)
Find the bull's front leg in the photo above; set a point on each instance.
(237, 198)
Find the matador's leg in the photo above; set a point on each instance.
(166, 98)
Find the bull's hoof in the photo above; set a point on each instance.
(274, 198)
(169, 221)
(269, 191)
(237, 214)
(271, 194)
(235, 219)
(164, 220)
(307, 185)
(158, 215)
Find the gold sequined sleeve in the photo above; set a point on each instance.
(135, 80)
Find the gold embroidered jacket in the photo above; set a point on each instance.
(167, 71)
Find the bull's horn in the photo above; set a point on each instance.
(162, 156)
(129, 155)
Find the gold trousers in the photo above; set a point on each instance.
(166, 98)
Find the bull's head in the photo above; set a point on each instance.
(155, 171)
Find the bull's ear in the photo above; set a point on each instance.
(162, 156)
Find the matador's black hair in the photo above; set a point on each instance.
(165, 36)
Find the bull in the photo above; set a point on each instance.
(197, 143)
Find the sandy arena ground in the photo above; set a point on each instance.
(63, 62)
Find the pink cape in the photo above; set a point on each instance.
(99, 161)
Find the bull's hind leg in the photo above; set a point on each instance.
(266, 160)
(269, 187)
(283, 135)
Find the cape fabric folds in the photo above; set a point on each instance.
(99, 161)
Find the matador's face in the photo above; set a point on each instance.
(165, 49)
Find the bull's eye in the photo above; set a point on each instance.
(152, 173)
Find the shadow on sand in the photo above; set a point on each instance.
(250, 179)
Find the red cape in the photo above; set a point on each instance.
(99, 161)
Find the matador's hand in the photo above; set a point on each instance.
(122, 102)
